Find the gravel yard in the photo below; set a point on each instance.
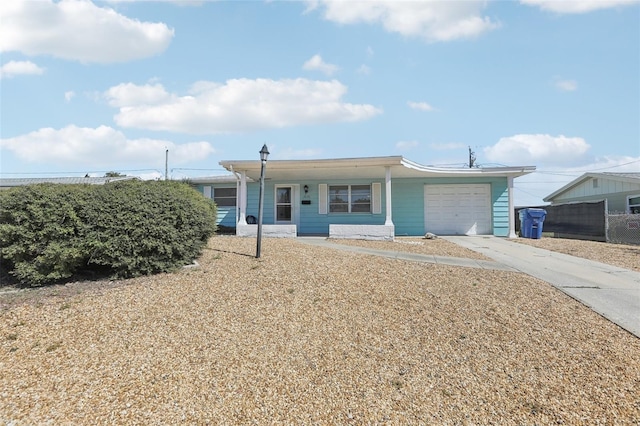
(310, 335)
(437, 247)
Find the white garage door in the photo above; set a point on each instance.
(457, 209)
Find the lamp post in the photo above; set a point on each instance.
(264, 154)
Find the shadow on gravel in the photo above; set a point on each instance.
(232, 252)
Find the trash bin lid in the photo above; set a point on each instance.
(537, 213)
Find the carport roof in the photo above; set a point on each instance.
(363, 167)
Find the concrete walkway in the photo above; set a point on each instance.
(611, 291)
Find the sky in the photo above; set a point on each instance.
(89, 87)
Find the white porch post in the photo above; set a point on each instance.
(512, 227)
(242, 198)
(387, 182)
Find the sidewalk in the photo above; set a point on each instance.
(612, 292)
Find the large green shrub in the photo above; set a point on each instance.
(128, 228)
(41, 231)
(147, 227)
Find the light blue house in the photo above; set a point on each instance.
(371, 198)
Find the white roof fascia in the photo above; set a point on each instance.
(316, 164)
(479, 171)
(401, 167)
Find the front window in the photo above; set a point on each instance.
(350, 198)
(225, 197)
(634, 204)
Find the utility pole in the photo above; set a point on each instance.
(166, 165)
(472, 158)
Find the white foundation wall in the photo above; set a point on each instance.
(362, 232)
(272, 231)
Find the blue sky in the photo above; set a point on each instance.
(91, 87)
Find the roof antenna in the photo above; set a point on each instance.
(472, 158)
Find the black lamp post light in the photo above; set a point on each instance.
(264, 154)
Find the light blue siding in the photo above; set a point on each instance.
(500, 202)
(407, 205)
(311, 222)
(226, 214)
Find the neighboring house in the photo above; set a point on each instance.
(620, 190)
(373, 198)
(6, 183)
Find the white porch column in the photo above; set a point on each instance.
(242, 198)
(512, 227)
(387, 181)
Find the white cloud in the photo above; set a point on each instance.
(69, 95)
(128, 94)
(428, 19)
(537, 149)
(102, 146)
(566, 85)
(316, 63)
(422, 106)
(406, 145)
(577, 6)
(78, 30)
(238, 105)
(14, 68)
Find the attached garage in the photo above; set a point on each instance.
(458, 209)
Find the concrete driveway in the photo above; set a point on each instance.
(611, 291)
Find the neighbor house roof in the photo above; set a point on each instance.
(363, 167)
(12, 182)
(622, 177)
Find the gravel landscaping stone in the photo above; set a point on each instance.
(311, 335)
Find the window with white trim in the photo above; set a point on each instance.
(349, 198)
(224, 197)
(633, 204)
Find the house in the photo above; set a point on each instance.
(6, 183)
(223, 190)
(620, 190)
(371, 198)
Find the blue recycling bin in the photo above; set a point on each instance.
(531, 222)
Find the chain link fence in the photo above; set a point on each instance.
(623, 228)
